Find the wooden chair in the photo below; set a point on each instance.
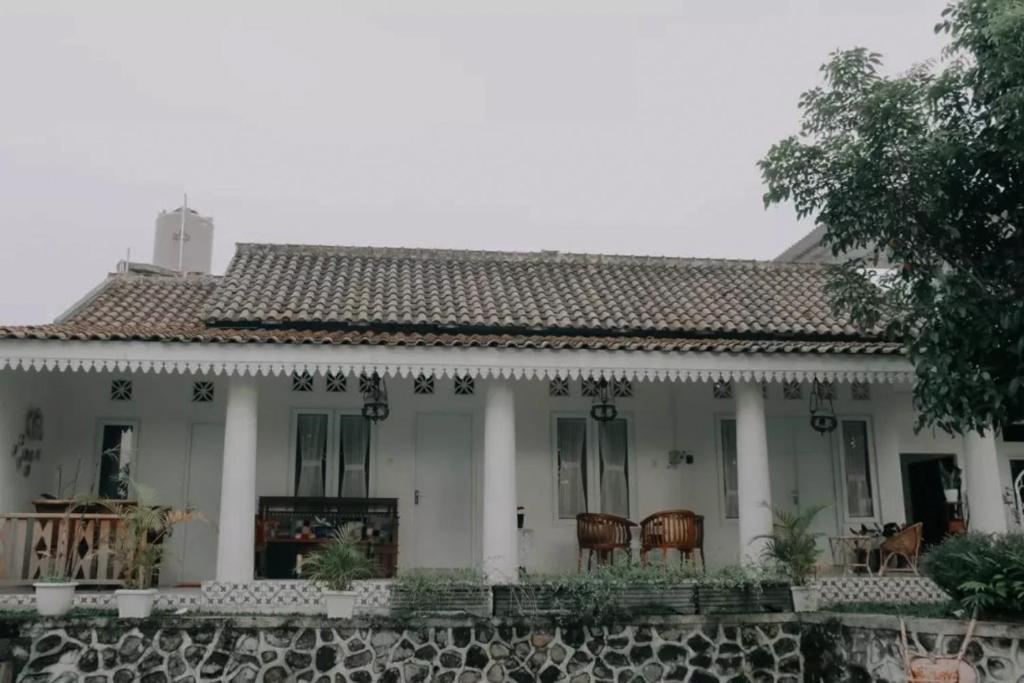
(672, 530)
(602, 534)
(906, 544)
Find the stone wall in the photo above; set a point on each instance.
(763, 649)
(861, 647)
(784, 648)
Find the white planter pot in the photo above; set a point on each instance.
(54, 599)
(340, 604)
(952, 495)
(135, 604)
(805, 598)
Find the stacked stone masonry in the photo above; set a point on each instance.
(214, 650)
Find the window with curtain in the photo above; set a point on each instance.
(112, 441)
(614, 453)
(310, 454)
(860, 501)
(730, 469)
(354, 456)
(571, 447)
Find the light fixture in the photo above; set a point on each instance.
(375, 399)
(823, 414)
(603, 409)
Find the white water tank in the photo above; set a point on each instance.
(196, 256)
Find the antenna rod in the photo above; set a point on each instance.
(181, 236)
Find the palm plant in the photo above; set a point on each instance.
(144, 525)
(339, 562)
(792, 544)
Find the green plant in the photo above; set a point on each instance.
(428, 590)
(339, 562)
(792, 544)
(739, 577)
(143, 527)
(596, 596)
(982, 572)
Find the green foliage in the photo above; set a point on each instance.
(742, 578)
(921, 610)
(927, 169)
(595, 596)
(422, 591)
(339, 562)
(792, 544)
(950, 477)
(982, 572)
(144, 526)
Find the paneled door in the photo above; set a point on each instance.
(801, 466)
(199, 538)
(443, 498)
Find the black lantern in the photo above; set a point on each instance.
(603, 409)
(823, 414)
(375, 399)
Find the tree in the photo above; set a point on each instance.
(926, 167)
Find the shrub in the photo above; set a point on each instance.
(982, 572)
(793, 544)
(422, 591)
(339, 562)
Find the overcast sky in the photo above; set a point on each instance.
(613, 127)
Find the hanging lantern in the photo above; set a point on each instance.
(823, 414)
(375, 399)
(603, 409)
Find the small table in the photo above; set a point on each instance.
(843, 547)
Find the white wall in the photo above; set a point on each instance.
(20, 391)
(664, 416)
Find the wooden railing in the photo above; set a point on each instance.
(31, 542)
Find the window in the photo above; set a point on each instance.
(730, 469)
(571, 447)
(614, 452)
(592, 467)
(311, 455)
(117, 447)
(857, 469)
(332, 454)
(354, 456)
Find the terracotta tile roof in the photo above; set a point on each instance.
(528, 292)
(339, 295)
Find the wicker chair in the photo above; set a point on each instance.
(602, 534)
(680, 530)
(906, 544)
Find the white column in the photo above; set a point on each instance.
(236, 539)
(500, 543)
(753, 483)
(984, 493)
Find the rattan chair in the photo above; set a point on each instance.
(679, 530)
(906, 544)
(602, 534)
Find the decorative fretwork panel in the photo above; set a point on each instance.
(336, 382)
(860, 391)
(792, 391)
(302, 381)
(722, 389)
(464, 385)
(423, 385)
(559, 386)
(121, 390)
(202, 391)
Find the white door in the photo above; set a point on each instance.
(199, 538)
(443, 499)
(801, 466)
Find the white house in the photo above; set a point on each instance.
(247, 385)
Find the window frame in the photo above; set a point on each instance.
(719, 420)
(840, 468)
(592, 485)
(332, 480)
(101, 425)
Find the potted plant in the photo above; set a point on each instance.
(339, 563)
(793, 547)
(139, 546)
(441, 591)
(55, 591)
(950, 483)
(743, 590)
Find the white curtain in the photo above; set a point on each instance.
(355, 445)
(312, 451)
(572, 452)
(730, 468)
(614, 463)
(858, 469)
